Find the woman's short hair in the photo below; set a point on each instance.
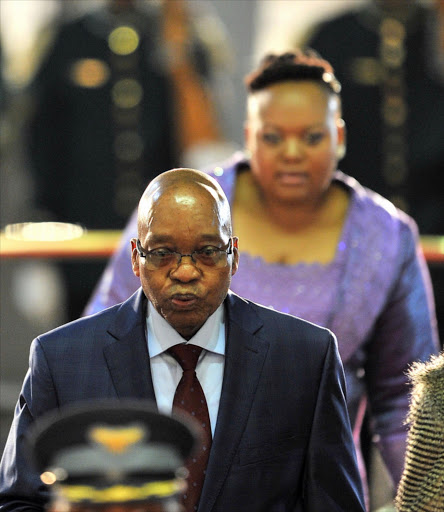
(293, 65)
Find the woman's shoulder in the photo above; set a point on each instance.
(380, 235)
(370, 207)
(225, 173)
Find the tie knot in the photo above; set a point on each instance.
(186, 355)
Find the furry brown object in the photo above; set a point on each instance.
(422, 485)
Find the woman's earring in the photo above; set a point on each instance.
(340, 151)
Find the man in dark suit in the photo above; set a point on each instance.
(273, 384)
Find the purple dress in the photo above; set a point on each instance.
(375, 295)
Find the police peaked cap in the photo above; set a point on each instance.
(112, 451)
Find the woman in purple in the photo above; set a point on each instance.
(316, 244)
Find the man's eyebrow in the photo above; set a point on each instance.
(159, 239)
(164, 238)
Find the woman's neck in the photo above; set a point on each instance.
(287, 216)
(294, 217)
(288, 233)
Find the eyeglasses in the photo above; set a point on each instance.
(208, 256)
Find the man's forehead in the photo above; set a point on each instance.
(195, 197)
(183, 195)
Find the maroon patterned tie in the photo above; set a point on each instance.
(189, 397)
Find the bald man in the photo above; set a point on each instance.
(273, 384)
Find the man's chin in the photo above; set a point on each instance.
(185, 322)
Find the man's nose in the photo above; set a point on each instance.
(185, 270)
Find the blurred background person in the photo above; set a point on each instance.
(314, 243)
(112, 456)
(422, 484)
(122, 93)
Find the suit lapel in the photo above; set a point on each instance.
(245, 356)
(127, 354)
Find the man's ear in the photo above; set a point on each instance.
(235, 263)
(135, 257)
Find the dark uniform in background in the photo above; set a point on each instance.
(105, 122)
(390, 63)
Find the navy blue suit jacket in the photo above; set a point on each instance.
(282, 440)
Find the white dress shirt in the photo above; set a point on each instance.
(166, 371)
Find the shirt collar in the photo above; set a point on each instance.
(161, 336)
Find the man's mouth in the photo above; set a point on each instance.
(184, 300)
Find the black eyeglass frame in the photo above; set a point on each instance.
(229, 250)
